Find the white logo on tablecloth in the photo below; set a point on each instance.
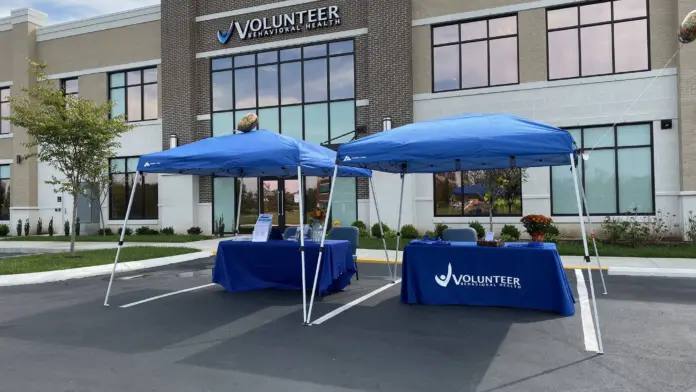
(443, 280)
(511, 282)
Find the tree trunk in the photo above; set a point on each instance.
(490, 216)
(101, 219)
(74, 225)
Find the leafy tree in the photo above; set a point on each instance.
(73, 135)
(502, 184)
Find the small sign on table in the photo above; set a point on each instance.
(262, 228)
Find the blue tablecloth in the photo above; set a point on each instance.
(466, 274)
(246, 265)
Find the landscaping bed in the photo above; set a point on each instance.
(174, 238)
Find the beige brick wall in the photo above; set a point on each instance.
(431, 8)
(102, 48)
(687, 105)
(93, 87)
(664, 22)
(422, 60)
(6, 149)
(532, 45)
(5, 59)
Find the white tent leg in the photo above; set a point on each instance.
(304, 278)
(321, 245)
(398, 227)
(239, 207)
(587, 253)
(123, 234)
(592, 234)
(381, 230)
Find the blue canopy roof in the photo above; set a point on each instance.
(254, 154)
(467, 142)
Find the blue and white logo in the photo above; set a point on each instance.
(443, 280)
(511, 282)
(224, 36)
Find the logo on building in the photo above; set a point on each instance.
(294, 22)
(510, 282)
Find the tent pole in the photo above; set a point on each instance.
(587, 253)
(398, 227)
(381, 230)
(304, 278)
(239, 206)
(321, 245)
(123, 234)
(592, 235)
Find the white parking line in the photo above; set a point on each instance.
(167, 295)
(588, 328)
(349, 305)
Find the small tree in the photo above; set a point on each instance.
(500, 184)
(71, 134)
(99, 184)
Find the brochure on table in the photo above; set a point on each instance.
(262, 228)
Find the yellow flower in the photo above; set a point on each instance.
(337, 223)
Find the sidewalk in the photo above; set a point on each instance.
(64, 246)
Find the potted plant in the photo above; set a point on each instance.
(536, 226)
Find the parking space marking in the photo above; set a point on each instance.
(167, 295)
(349, 305)
(588, 328)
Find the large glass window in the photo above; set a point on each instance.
(598, 39)
(135, 94)
(122, 176)
(305, 92)
(464, 194)
(617, 177)
(4, 110)
(475, 54)
(4, 192)
(69, 86)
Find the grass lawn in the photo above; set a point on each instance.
(114, 238)
(61, 261)
(576, 249)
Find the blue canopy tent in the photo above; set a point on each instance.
(253, 154)
(467, 142)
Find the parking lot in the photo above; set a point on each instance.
(60, 337)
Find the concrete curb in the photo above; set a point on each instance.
(660, 272)
(85, 272)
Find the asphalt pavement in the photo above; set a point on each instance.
(59, 337)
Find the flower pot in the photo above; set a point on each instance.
(538, 237)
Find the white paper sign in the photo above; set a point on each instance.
(262, 228)
(489, 236)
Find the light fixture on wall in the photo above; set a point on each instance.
(173, 141)
(386, 124)
(18, 159)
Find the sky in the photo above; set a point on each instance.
(60, 11)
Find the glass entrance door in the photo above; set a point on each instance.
(272, 200)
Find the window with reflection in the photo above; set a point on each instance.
(4, 110)
(475, 54)
(135, 94)
(617, 177)
(465, 194)
(122, 177)
(69, 86)
(602, 38)
(5, 192)
(304, 92)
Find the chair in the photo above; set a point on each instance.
(289, 233)
(352, 235)
(460, 235)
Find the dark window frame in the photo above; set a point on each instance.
(128, 189)
(142, 85)
(615, 148)
(2, 90)
(462, 214)
(63, 83)
(8, 179)
(459, 43)
(579, 27)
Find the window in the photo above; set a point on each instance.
(135, 94)
(4, 192)
(475, 54)
(462, 194)
(4, 110)
(303, 92)
(617, 177)
(598, 39)
(122, 176)
(69, 86)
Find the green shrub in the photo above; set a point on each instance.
(66, 228)
(480, 231)
(129, 231)
(377, 233)
(430, 234)
(19, 228)
(510, 231)
(363, 233)
(27, 226)
(77, 226)
(50, 227)
(552, 234)
(4, 230)
(440, 229)
(359, 224)
(195, 230)
(508, 238)
(144, 230)
(106, 231)
(409, 232)
(690, 227)
(39, 227)
(167, 231)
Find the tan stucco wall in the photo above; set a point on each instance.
(422, 60)
(664, 21)
(6, 149)
(531, 27)
(102, 48)
(93, 87)
(5, 60)
(430, 8)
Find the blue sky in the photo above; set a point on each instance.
(67, 10)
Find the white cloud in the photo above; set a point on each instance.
(67, 10)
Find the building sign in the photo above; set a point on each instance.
(294, 22)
